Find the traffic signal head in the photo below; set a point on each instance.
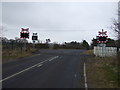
(102, 38)
(24, 35)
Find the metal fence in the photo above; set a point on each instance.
(105, 51)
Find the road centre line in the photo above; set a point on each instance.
(75, 75)
(85, 77)
(39, 65)
(53, 58)
(28, 68)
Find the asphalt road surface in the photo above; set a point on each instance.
(46, 69)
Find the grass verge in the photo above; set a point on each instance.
(102, 72)
(89, 52)
(17, 53)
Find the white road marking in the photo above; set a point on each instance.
(39, 65)
(85, 77)
(53, 58)
(44, 61)
(17, 73)
(27, 69)
(75, 75)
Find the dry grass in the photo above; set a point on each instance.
(17, 53)
(102, 72)
(89, 52)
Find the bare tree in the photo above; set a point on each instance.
(116, 26)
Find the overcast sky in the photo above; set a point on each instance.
(59, 21)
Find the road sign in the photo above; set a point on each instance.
(24, 33)
(102, 38)
(48, 40)
(102, 33)
(34, 37)
(34, 34)
(23, 29)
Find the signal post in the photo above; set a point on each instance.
(102, 39)
(34, 38)
(24, 34)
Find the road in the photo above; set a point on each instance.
(46, 69)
